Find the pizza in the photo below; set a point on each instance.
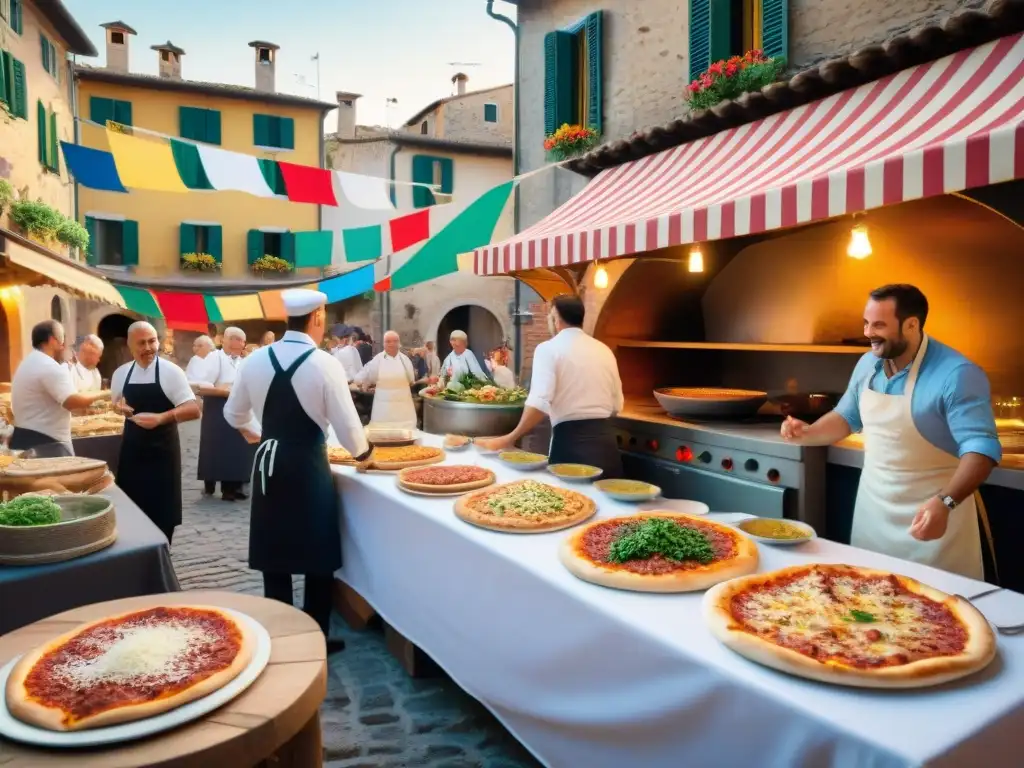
(658, 552)
(97, 424)
(850, 626)
(128, 667)
(338, 455)
(453, 479)
(393, 457)
(525, 506)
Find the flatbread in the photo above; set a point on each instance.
(338, 455)
(525, 506)
(445, 480)
(56, 466)
(852, 626)
(393, 458)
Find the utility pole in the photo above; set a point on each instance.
(316, 58)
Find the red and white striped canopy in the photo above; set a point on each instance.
(946, 126)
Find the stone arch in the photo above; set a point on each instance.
(113, 330)
(59, 310)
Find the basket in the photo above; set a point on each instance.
(72, 474)
(88, 525)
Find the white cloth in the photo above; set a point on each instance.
(233, 171)
(221, 369)
(575, 377)
(194, 371)
(319, 384)
(392, 398)
(433, 364)
(172, 380)
(350, 361)
(503, 377)
(85, 380)
(460, 365)
(366, 192)
(38, 390)
(902, 470)
(601, 678)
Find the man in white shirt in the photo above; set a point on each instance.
(461, 360)
(155, 396)
(433, 361)
(267, 339)
(202, 348)
(224, 455)
(390, 374)
(43, 396)
(576, 384)
(84, 373)
(285, 397)
(348, 355)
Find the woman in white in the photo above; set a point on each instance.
(461, 359)
(500, 372)
(391, 376)
(201, 349)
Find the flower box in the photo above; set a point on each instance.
(730, 78)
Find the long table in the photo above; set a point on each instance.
(584, 675)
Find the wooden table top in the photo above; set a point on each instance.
(241, 733)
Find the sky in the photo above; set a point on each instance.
(382, 49)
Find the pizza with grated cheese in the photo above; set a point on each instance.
(525, 506)
(850, 626)
(128, 667)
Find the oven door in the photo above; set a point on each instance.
(723, 493)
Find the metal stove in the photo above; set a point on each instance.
(732, 466)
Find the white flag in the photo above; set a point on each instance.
(366, 192)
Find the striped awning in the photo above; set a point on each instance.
(941, 127)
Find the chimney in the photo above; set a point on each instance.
(117, 45)
(169, 60)
(266, 60)
(347, 114)
(460, 81)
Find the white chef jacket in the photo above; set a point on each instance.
(320, 386)
(38, 391)
(172, 381)
(84, 379)
(368, 375)
(575, 377)
(220, 370)
(195, 369)
(462, 364)
(350, 361)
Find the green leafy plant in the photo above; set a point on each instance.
(30, 510)
(270, 263)
(37, 219)
(199, 262)
(570, 141)
(729, 78)
(6, 195)
(73, 234)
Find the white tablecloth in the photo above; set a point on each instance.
(590, 677)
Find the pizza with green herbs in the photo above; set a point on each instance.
(658, 552)
(525, 506)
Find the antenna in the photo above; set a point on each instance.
(464, 64)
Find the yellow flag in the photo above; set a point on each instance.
(145, 164)
(245, 307)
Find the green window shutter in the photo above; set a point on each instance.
(187, 124)
(273, 176)
(90, 227)
(261, 130)
(700, 37)
(215, 242)
(45, 45)
(490, 113)
(722, 19)
(288, 246)
(100, 110)
(54, 163)
(41, 131)
(20, 105)
(130, 243)
(123, 112)
(186, 239)
(775, 28)
(5, 94)
(16, 16)
(559, 80)
(254, 245)
(190, 167)
(423, 173)
(447, 175)
(286, 133)
(594, 31)
(212, 119)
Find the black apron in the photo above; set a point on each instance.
(587, 441)
(294, 526)
(149, 466)
(224, 455)
(42, 446)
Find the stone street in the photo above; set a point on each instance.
(374, 716)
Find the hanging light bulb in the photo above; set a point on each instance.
(601, 278)
(696, 261)
(860, 244)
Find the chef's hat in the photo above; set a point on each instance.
(299, 302)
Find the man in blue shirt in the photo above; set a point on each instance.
(929, 438)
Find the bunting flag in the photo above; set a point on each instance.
(140, 301)
(407, 231)
(92, 168)
(365, 192)
(213, 313)
(306, 184)
(273, 305)
(233, 171)
(354, 283)
(314, 249)
(379, 240)
(145, 164)
(183, 311)
(363, 243)
(244, 307)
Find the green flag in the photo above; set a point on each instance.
(140, 301)
(471, 229)
(313, 249)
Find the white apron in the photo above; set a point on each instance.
(392, 399)
(902, 470)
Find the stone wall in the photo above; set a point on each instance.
(462, 119)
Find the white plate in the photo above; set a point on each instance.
(684, 506)
(811, 534)
(14, 729)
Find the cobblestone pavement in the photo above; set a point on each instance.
(374, 716)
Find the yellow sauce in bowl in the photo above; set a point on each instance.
(574, 470)
(521, 457)
(773, 529)
(624, 486)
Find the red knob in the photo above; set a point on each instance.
(652, 444)
(773, 475)
(727, 465)
(684, 454)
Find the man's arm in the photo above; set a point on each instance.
(179, 392)
(342, 414)
(542, 392)
(238, 411)
(61, 387)
(968, 403)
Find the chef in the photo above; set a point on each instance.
(929, 438)
(202, 348)
(391, 376)
(576, 384)
(348, 355)
(461, 360)
(296, 391)
(43, 396)
(224, 455)
(433, 361)
(84, 373)
(155, 396)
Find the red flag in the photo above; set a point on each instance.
(183, 311)
(409, 230)
(306, 184)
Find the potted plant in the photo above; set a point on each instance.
(6, 195)
(37, 220)
(270, 264)
(73, 235)
(729, 78)
(199, 262)
(570, 141)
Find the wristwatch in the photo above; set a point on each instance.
(949, 502)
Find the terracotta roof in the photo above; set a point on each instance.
(196, 86)
(435, 104)
(963, 29)
(120, 26)
(402, 138)
(68, 29)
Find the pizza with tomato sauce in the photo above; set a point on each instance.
(445, 480)
(851, 626)
(658, 552)
(128, 667)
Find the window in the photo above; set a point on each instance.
(573, 75)
(117, 38)
(51, 62)
(113, 110)
(490, 113)
(11, 12)
(273, 131)
(49, 141)
(56, 309)
(424, 128)
(199, 124)
(112, 242)
(723, 28)
(280, 244)
(13, 85)
(264, 56)
(201, 238)
(165, 55)
(439, 171)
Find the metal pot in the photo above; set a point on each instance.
(445, 417)
(806, 406)
(710, 402)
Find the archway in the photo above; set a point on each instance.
(113, 331)
(57, 309)
(480, 325)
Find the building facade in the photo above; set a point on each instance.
(463, 144)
